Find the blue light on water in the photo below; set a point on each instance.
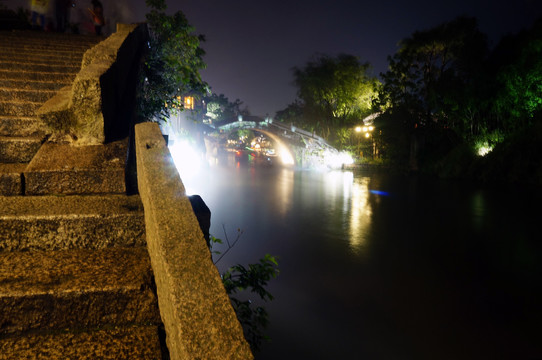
(378, 192)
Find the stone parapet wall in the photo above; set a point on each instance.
(97, 107)
(199, 320)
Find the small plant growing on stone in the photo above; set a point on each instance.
(253, 278)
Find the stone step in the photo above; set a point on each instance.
(43, 39)
(134, 342)
(39, 96)
(19, 108)
(74, 289)
(44, 46)
(69, 222)
(53, 50)
(22, 126)
(11, 179)
(29, 58)
(67, 169)
(60, 67)
(19, 149)
(37, 76)
(33, 85)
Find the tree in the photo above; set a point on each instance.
(519, 79)
(172, 63)
(335, 92)
(219, 107)
(430, 83)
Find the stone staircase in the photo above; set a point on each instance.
(33, 66)
(75, 275)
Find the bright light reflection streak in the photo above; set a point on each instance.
(356, 210)
(360, 213)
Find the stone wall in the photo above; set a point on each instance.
(199, 320)
(97, 108)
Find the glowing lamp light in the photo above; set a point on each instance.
(336, 161)
(285, 156)
(484, 150)
(367, 135)
(358, 129)
(185, 158)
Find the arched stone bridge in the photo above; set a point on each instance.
(306, 148)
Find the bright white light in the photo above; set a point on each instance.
(484, 150)
(337, 160)
(186, 159)
(285, 156)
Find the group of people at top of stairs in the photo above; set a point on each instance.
(62, 10)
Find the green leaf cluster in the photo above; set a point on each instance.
(172, 63)
(334, 92)
(254, 279)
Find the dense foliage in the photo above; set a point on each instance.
(220, 108)
(334, 93)
(446, 99)
(172, 63)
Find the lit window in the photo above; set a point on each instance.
(189, 102)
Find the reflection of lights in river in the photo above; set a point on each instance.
(285, 190)
(356, 209)
(360, 213)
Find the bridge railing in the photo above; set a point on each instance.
(199, 320)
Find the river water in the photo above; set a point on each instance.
(375, 266)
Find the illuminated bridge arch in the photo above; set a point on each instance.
(295, 146)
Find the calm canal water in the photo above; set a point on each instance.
(375, 266)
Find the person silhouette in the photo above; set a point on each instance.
(39, 9)
(97, 16)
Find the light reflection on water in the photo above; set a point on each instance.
(360, 213)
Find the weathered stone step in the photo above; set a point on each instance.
(11, 94)
(37, 76)
(19, 149)
(48, 51)
(29, 58)
(78, 288)
(33, 38)
(11, 179)
(69, 222)
(20, 108)
(34, 85)
(45, 47)
(66, 169)
(22, 126)
(60, 67)
(135, 343)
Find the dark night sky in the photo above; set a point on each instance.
(252, 45)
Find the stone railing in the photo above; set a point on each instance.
(197, 314)
(93, 110)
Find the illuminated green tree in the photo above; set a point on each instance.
(336, 92)
(519, 80)
(172, 63)
(220, 108)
